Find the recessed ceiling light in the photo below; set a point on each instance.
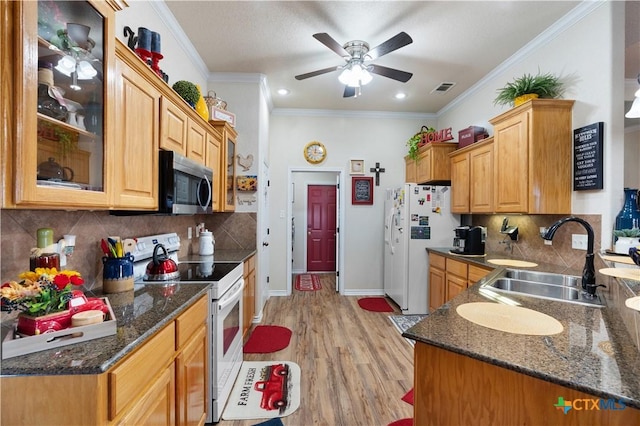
(283, 92)
(400, 95)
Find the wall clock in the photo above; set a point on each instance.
(315, 152)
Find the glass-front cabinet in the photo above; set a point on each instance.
(63, 134)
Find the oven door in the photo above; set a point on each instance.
(227, 347)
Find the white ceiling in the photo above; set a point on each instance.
(453, 41)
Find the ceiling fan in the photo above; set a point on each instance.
(355, 72)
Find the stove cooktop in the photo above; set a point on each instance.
(205, 272)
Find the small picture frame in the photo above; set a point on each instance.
(362, 190)
(356, 167)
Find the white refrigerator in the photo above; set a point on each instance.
(416, 217)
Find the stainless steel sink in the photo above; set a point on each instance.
(543, 277)
(559, 287)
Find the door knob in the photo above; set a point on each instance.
(265, 243)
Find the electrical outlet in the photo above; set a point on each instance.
(189, 233)
(579, 241)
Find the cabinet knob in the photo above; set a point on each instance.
(265, 243)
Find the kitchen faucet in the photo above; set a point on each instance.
(588, 272)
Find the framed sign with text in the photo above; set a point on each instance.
(362, 190)
(587, 157)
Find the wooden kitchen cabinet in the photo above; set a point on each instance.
(196, 141)
(449, 277)
(533, 158)
(29, 31)
(138, 134)
(437, 272)
(455, 389)
(213, 159)
(174, 125)
(472, 178)
(163, 381)
(249, 294)
(432, 165)
(227, 185)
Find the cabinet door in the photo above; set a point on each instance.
(481, 179)
(191, 380)
(454, 286)
(196, 141)
(156, 406)
(174, 124)
(423, 166)
(410, 170)
(230, 190)
(138, 130)
(436, 288)
(460, 183)
(476, 273)
(248, 301)
(63, 93)
(213, 159)
(511, 140)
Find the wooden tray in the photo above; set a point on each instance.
(14, 345)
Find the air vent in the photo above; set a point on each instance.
(443, 87)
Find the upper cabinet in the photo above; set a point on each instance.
(226, 187)
(137, 129)
(472, 178)
(533, 158)
(59, 119)
(432, 165)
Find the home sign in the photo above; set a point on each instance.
(438, 136)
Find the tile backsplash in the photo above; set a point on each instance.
(232, 231)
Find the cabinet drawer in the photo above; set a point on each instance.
(437, 261)
(133, 375)
(476, 273)
(457, 268)
(190, 321)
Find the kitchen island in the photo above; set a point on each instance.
(469, 374)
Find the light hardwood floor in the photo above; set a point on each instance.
(355, 365)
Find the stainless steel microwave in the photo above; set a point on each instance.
(186, 187)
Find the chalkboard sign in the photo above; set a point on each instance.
(587, 157)
(362, 190)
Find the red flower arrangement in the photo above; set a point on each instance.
(40, 292)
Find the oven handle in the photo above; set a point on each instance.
(232, 295)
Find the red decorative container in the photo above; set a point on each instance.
(470, 135)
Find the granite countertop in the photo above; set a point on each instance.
(594, 353)
(140, 313)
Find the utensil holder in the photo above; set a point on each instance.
(117, 274)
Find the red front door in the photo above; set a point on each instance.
(321, 228)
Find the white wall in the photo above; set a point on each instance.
(371, 137)
(588, 55)
(632, 158)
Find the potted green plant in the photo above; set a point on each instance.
(537, 86)
(415, 142)
(187, 91)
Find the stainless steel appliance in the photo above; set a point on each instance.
(225, 309)
(186, 187)
(416, 217)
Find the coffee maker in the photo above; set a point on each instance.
(469, 240)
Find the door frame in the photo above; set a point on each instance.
(340, 172)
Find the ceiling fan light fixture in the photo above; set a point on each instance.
(355, 75)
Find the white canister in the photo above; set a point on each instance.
(206, 243)
(623, 244)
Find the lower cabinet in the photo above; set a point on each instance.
(163, 382)
(450, 277)
(249, 296)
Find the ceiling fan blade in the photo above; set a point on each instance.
(349, 92)
(394, 43)
(315, 73)
(395, 74)
(328, 41)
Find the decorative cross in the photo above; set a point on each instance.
(377, 170)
